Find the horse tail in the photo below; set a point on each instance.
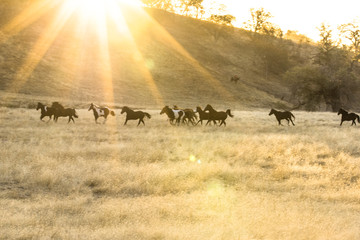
(358, 118)
(112, 113)
(148, 115)
(229, 113)
(75, 114)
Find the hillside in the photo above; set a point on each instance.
(167, 59)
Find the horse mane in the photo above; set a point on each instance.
(57, 105)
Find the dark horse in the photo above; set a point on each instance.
(173, 114)
(345, 116)
(133, 115)
(60, 111)
(45, 111)
(215, 115)
(203, 115)
(235, 78)
(100, 112)
(282, 115)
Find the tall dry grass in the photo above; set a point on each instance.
(249, 180)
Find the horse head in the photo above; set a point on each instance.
(91, 107)
(124, 109)
(272, 111)
(165, 110)
(40, 105)
(208, 108)
(341, 111)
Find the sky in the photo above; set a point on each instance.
(304, 16)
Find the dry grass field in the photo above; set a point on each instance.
(249, 180)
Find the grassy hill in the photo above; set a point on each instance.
(167, 59)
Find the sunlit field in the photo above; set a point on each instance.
(249, 180)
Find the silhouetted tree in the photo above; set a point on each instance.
(327, 79)
(351, 31)
(223, 23)
(160, 4)
(259, 23)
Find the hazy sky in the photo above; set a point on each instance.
(304, 16)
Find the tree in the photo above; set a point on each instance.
(327, 79)
(160, 4)
(223, 22)
(192, 4)
(259, 23)
(351, 32)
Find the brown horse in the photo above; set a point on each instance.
(45, 111)
(282, 115)
(60, 111)
(215, 115)
(235, 78)
(203, 115)
(134, 115)
(345, 116)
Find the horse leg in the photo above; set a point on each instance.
(353, 122)
(207, 122)
(288, 121)
(41, 117)
(292, 122)
(139, 122)
(341, 122)
(142, 120)
(104, 120)
(125, 121)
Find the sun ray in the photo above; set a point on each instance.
(40, 48)
(124, 30)
(164, 37)
(106, 73)
(27, 17)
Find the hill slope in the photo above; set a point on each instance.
(167, 59)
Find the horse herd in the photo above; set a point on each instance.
(176, 116)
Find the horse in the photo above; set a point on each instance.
(45, 111)
(282, 115)
(202, 115)
(235, 78)
(345, 116)
(215, 115)
(189, 115)
(60, 111)
(134, 115)
(101, 112)
(173, 114)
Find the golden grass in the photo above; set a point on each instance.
(249, 180)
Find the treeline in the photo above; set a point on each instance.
(326, 72)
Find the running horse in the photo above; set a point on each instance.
(202, 115)
(235, 78)
(134, 115)
(60, 111)
(173, 114)
(189, 115)
(345, 116)
(45, 111)
(215, 115)
(100, 112)
(282, 115)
